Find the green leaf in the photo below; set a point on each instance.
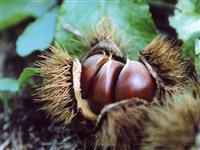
(197, 52)
(197, 63)
(133, 19)
(15, 11)
(189, 46)
(197, 47)
(26, 74)
(12, 85)
(8, 84)
(38, 35)
(186, 19)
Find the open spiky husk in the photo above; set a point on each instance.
(82, 104)
(198, 90)
(103, 38)
(121, 124)
(163, 58)
(60, 89)
(176, 127)
(135, 124)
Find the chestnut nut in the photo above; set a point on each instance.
(105, 81)
(102, 87)
(90, 67)
(134, 81)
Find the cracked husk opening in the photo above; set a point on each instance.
(163, 58)
(60, 89)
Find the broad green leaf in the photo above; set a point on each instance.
(186, 19)
(140, 1)
(189, 45)
(38, 35)
(197, 47)
(15, 11)
(131, 19)
(12, 85)
(26, 74)
(8, 84)
(197, 52)
(197, 63)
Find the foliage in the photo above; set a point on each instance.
(9, 84)
(197, 55)
(15, 11)
(12, 85)
(38, 35)
(133, 19)
(186, 21)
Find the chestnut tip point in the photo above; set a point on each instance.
(102, 87)
(134, 81)
(90, 68)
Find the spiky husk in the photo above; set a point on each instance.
(120, 125)
(176, 127)
(60, 89)
(164, 60)
(82, 105)
(103, 38)
(56, 90)
(196, 90)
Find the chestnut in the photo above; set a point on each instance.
(102, 87)
(134, 81)
(90, 67)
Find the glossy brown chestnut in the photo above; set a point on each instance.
(134, 81)
(90, 68)
(102, 87)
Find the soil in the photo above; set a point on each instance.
(22, 125)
